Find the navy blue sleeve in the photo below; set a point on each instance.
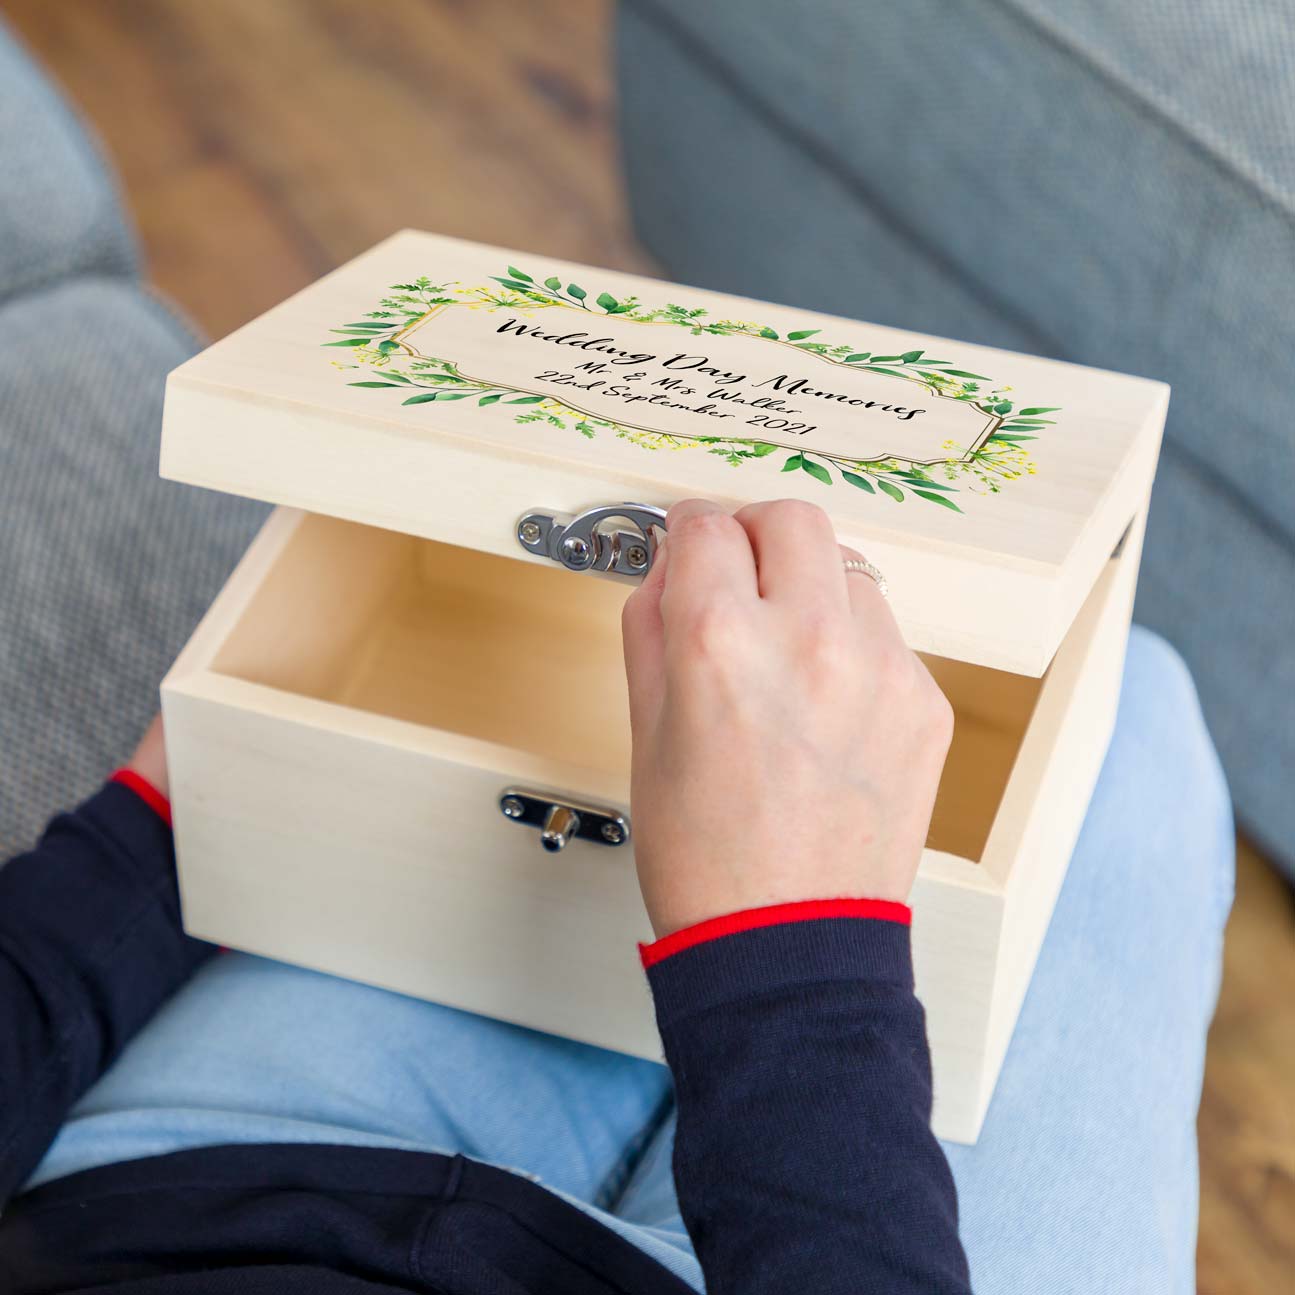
(90, 946)
(804, 1157)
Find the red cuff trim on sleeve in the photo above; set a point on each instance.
(145, 791)
(751, 919)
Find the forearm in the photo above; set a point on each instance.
(90, 946)
(804, 1157)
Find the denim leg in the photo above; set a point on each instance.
(253, 1050)
(1085, 1176)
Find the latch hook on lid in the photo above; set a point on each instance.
(590, 541)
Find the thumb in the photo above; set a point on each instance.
(643, 635)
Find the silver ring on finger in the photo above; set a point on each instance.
(865, 568)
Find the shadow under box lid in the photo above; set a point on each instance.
(448, 389)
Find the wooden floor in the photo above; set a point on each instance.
(261, 144)
(1247, 1119)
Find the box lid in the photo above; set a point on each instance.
(446, 389)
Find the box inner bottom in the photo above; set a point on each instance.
(529, 657)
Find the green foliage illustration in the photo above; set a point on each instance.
(375, 345)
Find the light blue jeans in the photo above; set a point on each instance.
(1083, 1181)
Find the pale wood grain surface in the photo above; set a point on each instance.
(298, 133)
(277, 411)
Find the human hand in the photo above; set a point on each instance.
(787, 743)
(149, 760)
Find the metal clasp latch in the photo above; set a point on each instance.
(560, 818)
(586, 542)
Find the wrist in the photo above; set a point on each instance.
(780, 914)
(146, 790)
(800, 957)
(149, 759)
(677, 901)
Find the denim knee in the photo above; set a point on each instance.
(1160, 698)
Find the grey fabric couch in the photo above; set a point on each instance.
(1088, 179)
(104, 569)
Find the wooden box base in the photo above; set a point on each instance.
(341, 724)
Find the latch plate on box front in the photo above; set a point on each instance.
(561, 819)
(591, 541)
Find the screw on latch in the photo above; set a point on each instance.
(512, 807)
(529, 532)
(636, 557)
(613, 833)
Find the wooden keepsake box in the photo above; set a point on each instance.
(413, 681)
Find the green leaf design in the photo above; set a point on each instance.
(425, 397)
(816, 470)
(937, 499)
(435, 379)
(512, 283)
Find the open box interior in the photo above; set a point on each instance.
(529, 657)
